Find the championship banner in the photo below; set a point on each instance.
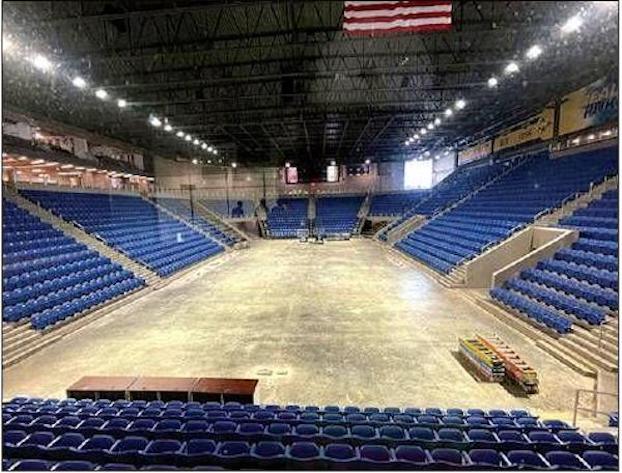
(592, 105)
(539, 127)
(475, 152)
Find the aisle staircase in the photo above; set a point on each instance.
(219, 222)
(362, 214)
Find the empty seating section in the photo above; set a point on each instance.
(450, 190)
(337, 215)
(395, 205)
(183, 209)
(225, 209)
(103, 434)
(578, 283)
(513, 201)
(133, 226)
(48, 276)
(288, 217)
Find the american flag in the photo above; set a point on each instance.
(373, 18)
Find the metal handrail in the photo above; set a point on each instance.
(594, 410)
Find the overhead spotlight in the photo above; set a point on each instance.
(234, 164)
(215, 151)
(407, 142)
(430, 126)
(155, 121)
(437, 157)
(210, 149)
(368, 161)
(168, 127)
(196, 142)
(446, 153)
(448, 112)
(79, 82)
(437, 121)
(195, 161)
(606, 133)
(576, 141)
(188, 138)
(423, 131)
(41, 62)
(287, 164)
(460, 104)
(591, 136)
(511, 68)
(427, 153)
(573, 24)
(122, 103)
(493, 82)
(416, 136)
(203, 145)
(101, 94)
(180, 134)
(209, 161)
(333, 163)
(533, 52)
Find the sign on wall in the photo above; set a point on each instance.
(475, 152)
(539, 127)
(592, 105)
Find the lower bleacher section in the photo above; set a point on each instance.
(125, 435)
(132, 226)
(287, 218)
(48, 276)
(183, 209)
(580, 283)
(337, 215)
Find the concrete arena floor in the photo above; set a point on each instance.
(341, 323)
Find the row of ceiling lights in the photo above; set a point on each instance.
(571, 26)
(39, 61)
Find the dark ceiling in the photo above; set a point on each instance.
(269, 81)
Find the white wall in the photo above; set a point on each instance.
(443, 167)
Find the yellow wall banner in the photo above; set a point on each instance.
(539, 127)
(592, 105)
(475, 152)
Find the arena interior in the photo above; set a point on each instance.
(309, 235)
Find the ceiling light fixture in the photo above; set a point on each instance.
(573, 24)
(101, 94)
(511, 68)
(493, 82)
(533, 52)
(79, 82)
(460, 104)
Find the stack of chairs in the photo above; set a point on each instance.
(182, 208)
(126, 435)
(456, 186)
(337, 215)
(133, 226)
(48, 276)
(288, 217)
(224, 210)
(578, 284)
(395, 205)
(510, 203)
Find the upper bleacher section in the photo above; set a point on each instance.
(395, 204)
(513, 201)
(287, 217)
(337, 215)
(133, 226)
(450, 190)
(48, 276)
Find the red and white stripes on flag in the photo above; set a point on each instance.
(382, 17)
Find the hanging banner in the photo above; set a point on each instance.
(475, 152)
(539, 127)
(590, 106)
